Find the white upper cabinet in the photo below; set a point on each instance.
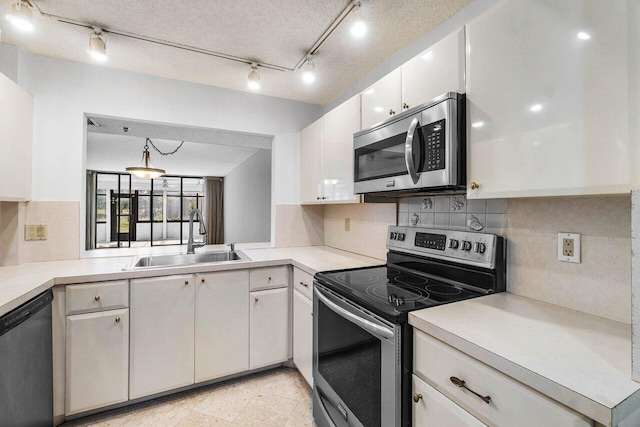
(339, 125)
(383, 99)
(551, 88)
(16, 136)
(437, 70)
(326, 155)
(311, 163)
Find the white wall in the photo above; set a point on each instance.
(247, 200)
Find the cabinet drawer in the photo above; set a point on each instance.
(90, 297)
(269, 278)
(511, 403)
(303, 282)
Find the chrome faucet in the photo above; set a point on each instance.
(203, 231)
(232, 246)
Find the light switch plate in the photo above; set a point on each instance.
(569, 247)
(35, 232)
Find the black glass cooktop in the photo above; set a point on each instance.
(392, 293)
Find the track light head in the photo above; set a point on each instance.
(309, 71)
(97, 46)
(254, 77)
(20, 16)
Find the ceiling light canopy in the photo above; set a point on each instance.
(309, 71)
(254, 78)
(20, 16)
(97, 46)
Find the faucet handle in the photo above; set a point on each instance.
(232, 245)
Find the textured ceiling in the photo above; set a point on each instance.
(206, 152)
(275, 31)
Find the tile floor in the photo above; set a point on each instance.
(277, 398)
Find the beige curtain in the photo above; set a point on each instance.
(213, 203)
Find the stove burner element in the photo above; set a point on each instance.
(444, 289)
(357, 278)
(411, 280)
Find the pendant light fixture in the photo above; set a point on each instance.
(254, 77)
(20, 16)
(97, 46)
(146, 169)
(309, 71)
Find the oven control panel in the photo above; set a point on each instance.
(460, 246)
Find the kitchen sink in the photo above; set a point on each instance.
(176, 260)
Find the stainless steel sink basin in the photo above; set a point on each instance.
(156, 261)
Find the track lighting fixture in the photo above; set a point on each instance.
(97, 46)
(254, 77)
(309, 71)
(359, 26)
(20, 16)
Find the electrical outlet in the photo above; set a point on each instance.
(569, 247)
(347, 224)
(35, 232)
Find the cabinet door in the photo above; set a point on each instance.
(437, 70)
(434, 409)
(162, 334)
(338, 128)
(302, 335)
(269, 331)
(382, 99)
(16, 139)
(97, 362)
(549, 92)
(311, 163)
(221, 324)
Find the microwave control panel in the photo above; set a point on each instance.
(434, 145)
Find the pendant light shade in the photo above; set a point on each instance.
(146, 169)
(20, 16)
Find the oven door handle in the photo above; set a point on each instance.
(367, 325)
(408, 150)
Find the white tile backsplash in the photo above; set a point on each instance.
(455, 213)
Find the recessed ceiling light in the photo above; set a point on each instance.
(535, 108)
(20, 16)
(254, 78)
(477, 124)
(583, 36)
(309, 71)
(97, 46)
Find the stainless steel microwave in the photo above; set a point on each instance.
(420, 150)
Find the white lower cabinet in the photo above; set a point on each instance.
(431, 408)
(269, 331)
(162, 334)
(97, 360)
(221, 324)
(303, 335)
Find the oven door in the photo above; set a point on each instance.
(356, 365)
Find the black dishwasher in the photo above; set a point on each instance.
(26, 366)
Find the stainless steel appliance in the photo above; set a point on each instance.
(26, 365)
(420, 150)
(362, 343)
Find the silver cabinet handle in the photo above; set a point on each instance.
(408, 150)
(304, 284)
(460, 383)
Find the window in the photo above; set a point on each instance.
(134, 212)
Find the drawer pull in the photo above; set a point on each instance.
(97, 298)
(202, 280)
(460, 383)
(417, 397)
(269, 278)
(186, 282)
(118, 319)
(256, 299)
(304, 284)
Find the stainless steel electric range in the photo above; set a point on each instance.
(362, 343)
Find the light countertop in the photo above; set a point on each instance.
(20, 283)
(577, 359)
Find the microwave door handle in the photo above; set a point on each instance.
(408, 150)
(377, 331)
